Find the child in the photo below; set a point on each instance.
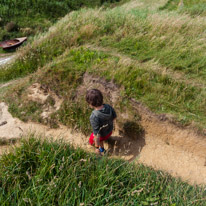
(101, 119)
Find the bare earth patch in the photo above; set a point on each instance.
(39, 94)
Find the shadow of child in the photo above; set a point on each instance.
(126, 147)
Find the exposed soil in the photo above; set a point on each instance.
(39, 94)
(163, 145)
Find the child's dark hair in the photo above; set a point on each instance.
(94, 97)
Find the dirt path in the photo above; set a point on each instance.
(152, 150)
(4, 59)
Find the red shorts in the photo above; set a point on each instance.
(91, 139)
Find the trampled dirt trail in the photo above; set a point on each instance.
(164, 146)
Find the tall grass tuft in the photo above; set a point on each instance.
(45, 172)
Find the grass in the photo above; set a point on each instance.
(154, 39)
(53, 173)
(27, 18)
(139, 45)
(63, 77)
(191, 7)
(160, 92)
(139, 34)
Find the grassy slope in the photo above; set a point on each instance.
(26, 18)
(135, 34)
(64, 76)
(53, 173)
(154, 39)
(159, 91)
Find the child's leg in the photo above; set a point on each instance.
(101, 144)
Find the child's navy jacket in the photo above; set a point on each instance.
(104, 116)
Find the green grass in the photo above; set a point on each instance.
(136, 33)
(175, 58)
(65, 75)
(54, 173)
(191, 7)
(163, 40)
(160, 92)
(30, 18)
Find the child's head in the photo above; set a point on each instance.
(94, 97)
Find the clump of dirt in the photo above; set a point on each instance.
(131, 129)
(42, 95)
(37, 93)
(110, 90)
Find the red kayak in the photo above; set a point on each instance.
(13, 43)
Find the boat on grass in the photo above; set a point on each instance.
(13, 43)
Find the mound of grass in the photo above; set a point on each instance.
(63, 77)
(154, 39)
(160, 92)
(54, 173)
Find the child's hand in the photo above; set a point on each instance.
(97, 151)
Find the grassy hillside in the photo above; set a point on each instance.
(53, 173)
(26, 18)
(136, 52)
(165, 69)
